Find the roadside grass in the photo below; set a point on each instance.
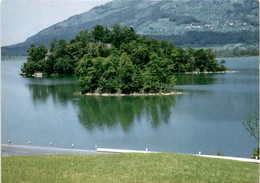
(158, 167)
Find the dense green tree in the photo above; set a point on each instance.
(61, 48)
(119, 60)
(89, 71)
(140, 54)
(137, 84)
(151, 82)
(103, 50)
(75, 51)
(125, 70)
(109, 81)
(35, 59)
(200, 60)
(159, 74)
(53, 45)
(36, 53)
(154, 46)
(49, 65)
(98, 33)
(84, 38)
(30, 67)
(77, 47)
(180, 59)
(107, 37)
(117, 36)
(64, 65)
(167, 48)
(130, 34)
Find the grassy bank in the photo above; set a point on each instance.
(162, 167)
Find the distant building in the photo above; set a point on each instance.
(48, 54)
(109, 46)
(38, 74)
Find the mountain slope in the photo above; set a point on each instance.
(184, 22)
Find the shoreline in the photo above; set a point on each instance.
(131, 94)
(23, 150)
(210, 72)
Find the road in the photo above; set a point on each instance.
(18, 150)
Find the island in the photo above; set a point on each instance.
(116, 60)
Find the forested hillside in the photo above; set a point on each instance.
(193, 23)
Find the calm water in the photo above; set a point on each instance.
(206, 117)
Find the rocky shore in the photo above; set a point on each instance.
(132, 94)
(217, 72)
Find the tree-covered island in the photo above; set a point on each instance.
(118, 60)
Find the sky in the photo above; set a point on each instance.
(21, 19)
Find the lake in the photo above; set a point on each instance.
(207, 117)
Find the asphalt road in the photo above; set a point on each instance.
(17, 150)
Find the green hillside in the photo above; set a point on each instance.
(183, 22)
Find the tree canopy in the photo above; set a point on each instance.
(117, 60)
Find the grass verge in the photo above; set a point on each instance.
(161, 167)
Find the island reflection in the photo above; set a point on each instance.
(100, 112)
(60, 93)
(195, 79)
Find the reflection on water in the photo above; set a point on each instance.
(59, 92)
(109, 111)
(195, 79)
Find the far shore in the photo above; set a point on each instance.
(13, 58)
(131, 94)
(7, 58)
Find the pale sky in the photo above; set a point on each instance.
(21, 19)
